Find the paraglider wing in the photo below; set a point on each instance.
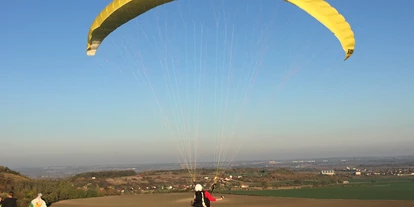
(329, 16)
(117, 13)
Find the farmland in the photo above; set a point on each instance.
(362, 192)
(367, 189)
(241, 187)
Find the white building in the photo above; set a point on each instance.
(327, 172)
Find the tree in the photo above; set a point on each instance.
(265, 185)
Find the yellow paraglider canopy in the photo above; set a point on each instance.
(119, 12)
(329, 16)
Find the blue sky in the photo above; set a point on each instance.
(59, 106)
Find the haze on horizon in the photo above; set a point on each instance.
(61, 107)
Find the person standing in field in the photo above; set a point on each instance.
(9, 201)
(202, 198)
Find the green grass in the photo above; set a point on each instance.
(382, 179)
(380, 189)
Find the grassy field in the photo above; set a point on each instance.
(366, 189)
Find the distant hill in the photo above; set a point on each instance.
(26, 189)
(8, 176)
(7, 170)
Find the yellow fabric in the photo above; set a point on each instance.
(117, 13)
(329, 16)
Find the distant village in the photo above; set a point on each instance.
(367, 172)
(151, 188)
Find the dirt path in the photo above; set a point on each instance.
(183, 199)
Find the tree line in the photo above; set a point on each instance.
(105, 174)
(26, 189)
